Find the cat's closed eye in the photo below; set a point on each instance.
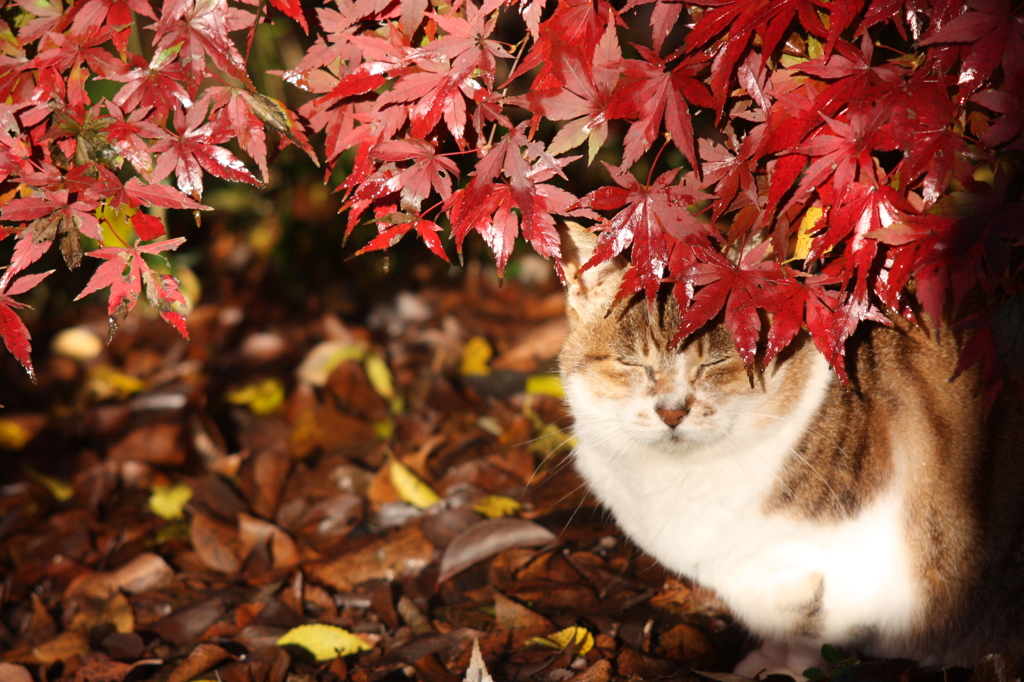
(630, 362)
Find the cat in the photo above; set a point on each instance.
(886, 518)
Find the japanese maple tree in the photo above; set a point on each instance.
(823, 162)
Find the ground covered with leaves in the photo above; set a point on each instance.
(326, 497)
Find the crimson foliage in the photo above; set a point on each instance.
(846, 156)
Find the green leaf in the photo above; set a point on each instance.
(829, 653)
(814, 674)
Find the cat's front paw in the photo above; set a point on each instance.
(774, 658)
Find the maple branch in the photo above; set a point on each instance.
(504, 90)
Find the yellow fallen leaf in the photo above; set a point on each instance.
(379, 374)
(13, 436)
(107, 383)
(325, 357)
(168, 501)
(384, 428)
(496, 506)
(61, 490)
(475, 356)
(545, 384)
(410, 487)
(561, 639)
(325, 642)
(804, 231)
(263, 397)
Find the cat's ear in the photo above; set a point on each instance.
(591, 292)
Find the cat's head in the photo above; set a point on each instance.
(627, 384)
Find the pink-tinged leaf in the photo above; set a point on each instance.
(107, 274)
(412, 15)
(32, 243)
(201, 29)
(663, 20)
(25, 283)
(138, 194)
(427, 170)
(27, 208)
(147, 226)
(162, 291)
(158, 247)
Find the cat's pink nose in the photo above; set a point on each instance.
(672, 417)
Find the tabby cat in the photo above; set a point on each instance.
(887, 518)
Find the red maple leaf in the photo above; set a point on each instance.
(427, 170)
(655, 96)
(125, 271)
(196, 149)
(575, 28)
(13, 331)
(201, 29)
(434, 91)
(401, 224)
(135, 193)
(795, 302)
(649, 212)
(844, 156)
(993, 31)
(583, 101)
(1008, 126)
(728, 174)
(486, 206)
(117, 14)
(154, 86)
(233, 105)
(293, 10)
(67, 51)
(742, 20)
(468, 42)
(712, 283)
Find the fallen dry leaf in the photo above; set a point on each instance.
(487, 538)
(159, 444)
(403, 553)
(200, 659)
(216, 543)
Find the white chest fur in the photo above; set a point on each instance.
(700, 512)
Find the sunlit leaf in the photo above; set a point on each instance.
(61, 490)
(496, 506)
(545, 384)
(411, 487)
(324, 358)
(563, 638)
(13, 436)
(324, 642)
(475, 357)
(263, 397)
(168, 501)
